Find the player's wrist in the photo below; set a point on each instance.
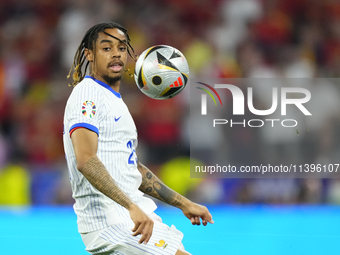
(132, 207)
(185, 203)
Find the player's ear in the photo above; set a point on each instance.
(88, 54)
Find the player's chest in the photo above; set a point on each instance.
(118, 122)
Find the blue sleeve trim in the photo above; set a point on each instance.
(85, 125)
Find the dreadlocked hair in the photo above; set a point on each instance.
(89, 42)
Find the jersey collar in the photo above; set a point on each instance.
(105, 86)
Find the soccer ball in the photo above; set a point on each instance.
(161, 72)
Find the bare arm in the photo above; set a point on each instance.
(154, 187)
(85, 144)
(96, 173)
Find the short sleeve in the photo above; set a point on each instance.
(85, 109)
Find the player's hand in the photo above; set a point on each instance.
(143, 224)
(195, 213)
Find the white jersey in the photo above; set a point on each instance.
(96, 106)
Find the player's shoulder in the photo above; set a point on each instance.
(86, 84)
(87, 87)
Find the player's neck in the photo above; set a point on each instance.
(115, 85)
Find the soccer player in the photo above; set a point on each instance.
(100, 139)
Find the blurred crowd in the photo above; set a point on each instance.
(220, 39)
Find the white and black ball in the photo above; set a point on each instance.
(161, 72)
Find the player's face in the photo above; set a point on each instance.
(110, 56)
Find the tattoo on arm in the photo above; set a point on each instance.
(154, 187)
(167, 194)
(95, 172)
(149, 175)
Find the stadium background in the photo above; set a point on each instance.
(224, 39)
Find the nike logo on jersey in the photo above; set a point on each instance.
(116, 119)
